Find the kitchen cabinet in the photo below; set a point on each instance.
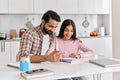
(41, 6)
(20, 6)
(103, 6)
(93, 6)
(100, 45)
(87, 6)
(8, 51)
(14, 50)
(3, 6)
(4, 52)
(67, 6)
(73, 6)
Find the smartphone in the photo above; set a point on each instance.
(36, 71)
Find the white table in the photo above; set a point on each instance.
(61, 70)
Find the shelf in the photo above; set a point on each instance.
(94, 36)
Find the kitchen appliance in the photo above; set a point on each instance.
(3, 36)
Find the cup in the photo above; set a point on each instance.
(102, 31)
(13, 33)
(21, 32)
(25, 64)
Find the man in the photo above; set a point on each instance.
(31, 41)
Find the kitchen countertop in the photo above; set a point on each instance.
(94, 36)
(60, 70)
(18, 39)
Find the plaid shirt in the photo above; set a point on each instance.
(31, 41)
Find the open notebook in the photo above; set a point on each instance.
(74, 60)
(106, 62)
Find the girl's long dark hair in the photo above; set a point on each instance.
(64, 25)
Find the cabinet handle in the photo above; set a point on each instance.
(3, 46)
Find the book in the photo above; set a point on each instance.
(37, 73)
(14, 65)
(73, 60)
(106, 62)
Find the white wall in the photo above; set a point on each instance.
(116, 32)
(8, 22)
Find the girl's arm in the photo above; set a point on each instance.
(87, 52)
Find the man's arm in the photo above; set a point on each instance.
(38, 58)
(26, 44)
(54, 56)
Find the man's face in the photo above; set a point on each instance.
(50, 26)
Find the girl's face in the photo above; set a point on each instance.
(68, 32)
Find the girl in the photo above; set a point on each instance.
(67, 43)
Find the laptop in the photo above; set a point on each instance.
(106, 62)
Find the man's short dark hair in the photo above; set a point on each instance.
(51, 15)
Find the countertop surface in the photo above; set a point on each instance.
(60, 70)
(94, 36)
(18, 39)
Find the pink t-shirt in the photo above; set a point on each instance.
(69, 46)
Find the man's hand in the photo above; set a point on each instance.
(74, 55)
(54, 56)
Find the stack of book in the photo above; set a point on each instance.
(36, 73)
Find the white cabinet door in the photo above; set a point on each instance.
(41, 6)
(103, 6)
(14, 50)
(4, 52)
(100, 46)
(96, 44)
(93, 6)
(3, 6)
(67, 6)
(108, 46)
(20, 6)
(87, 6)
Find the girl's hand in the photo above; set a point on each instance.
(74, 55)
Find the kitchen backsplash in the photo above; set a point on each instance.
(8, 22)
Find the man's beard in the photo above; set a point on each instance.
(47, 31)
